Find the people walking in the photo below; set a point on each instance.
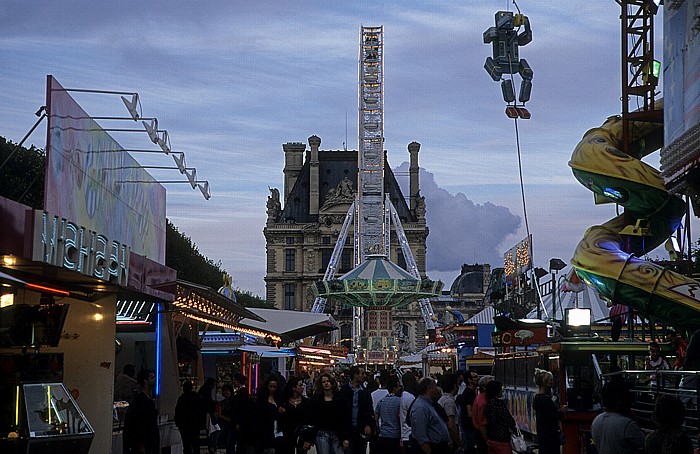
(613, 431)
(141, 434)
(189, 418)
(500, 421)
(359, 402)
(478, 418)
(387, 412)
(330, 418)
(240, 435)
(207, 392)
(225, 415)
(465, 403)
(265, 418)
(428, 430)
(547, 414)
(447, 401)
(293, 414)
(407, 397)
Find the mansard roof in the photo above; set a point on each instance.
(334, 165)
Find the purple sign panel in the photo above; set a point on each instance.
(93, 182)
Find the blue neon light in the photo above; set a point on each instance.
(159, 346)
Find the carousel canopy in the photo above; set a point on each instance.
(377, 283)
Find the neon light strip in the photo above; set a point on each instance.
(159, 346)
(17, 407)
(253, 332)
(47, 289)
(48, 401)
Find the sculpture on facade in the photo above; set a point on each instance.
(274, 207)
(420, 207)
(343, 193)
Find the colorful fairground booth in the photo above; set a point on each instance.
(276, 341)
(85, 291)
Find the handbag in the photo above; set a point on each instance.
(517, 441)
(211, 425)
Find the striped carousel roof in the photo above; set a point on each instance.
(377, 282)
(377, 267)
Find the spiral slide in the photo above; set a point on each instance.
(607, 256)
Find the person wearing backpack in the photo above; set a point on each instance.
(387, 413)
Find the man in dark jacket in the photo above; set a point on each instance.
(360, 407)
(241, 422)
(141, 433)
(190, 417)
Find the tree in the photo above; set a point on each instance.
(22, 173)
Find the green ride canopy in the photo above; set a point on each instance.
(377, 283)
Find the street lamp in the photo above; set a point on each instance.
(555, 265)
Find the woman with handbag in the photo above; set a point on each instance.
(547, 414)
(500, 423)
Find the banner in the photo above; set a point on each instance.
(92, 182)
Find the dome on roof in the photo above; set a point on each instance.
(471, 280)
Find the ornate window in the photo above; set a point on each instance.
(290, 256)
(289, 297)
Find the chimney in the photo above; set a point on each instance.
(413, 149)
(293, 160)
(314, 143)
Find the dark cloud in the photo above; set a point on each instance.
(460, 230)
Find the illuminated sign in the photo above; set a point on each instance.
(518, 259)
(63, 243)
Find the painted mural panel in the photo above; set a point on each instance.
(93, 182)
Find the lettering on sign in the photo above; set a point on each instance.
(64, 243)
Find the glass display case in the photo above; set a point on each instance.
(46, 419)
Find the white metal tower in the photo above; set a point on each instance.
(372, 212)
(370, 156)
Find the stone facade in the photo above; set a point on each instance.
(302, 230)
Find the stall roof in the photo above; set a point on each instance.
(234, 310)
(291, 325)
(484, 317)
(266, 352)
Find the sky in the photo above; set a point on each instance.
(232, 81)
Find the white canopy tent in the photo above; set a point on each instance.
(588, 298)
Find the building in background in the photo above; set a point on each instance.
(303, 224)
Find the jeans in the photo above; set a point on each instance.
(328, 443)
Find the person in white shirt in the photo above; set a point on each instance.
(407, 397)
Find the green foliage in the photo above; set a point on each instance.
(183, 255)
(22, 176)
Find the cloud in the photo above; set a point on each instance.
(461, 231)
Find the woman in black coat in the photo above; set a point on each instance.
(293, 415)
(546, 413)
(265, 417)
(330, 417)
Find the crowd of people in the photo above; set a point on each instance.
(349, 413)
